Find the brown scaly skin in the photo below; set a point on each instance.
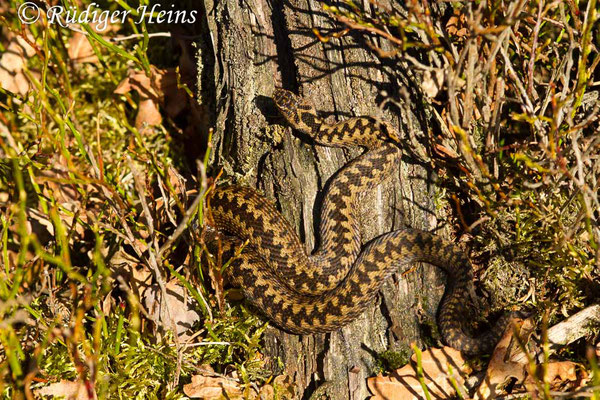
(324, 291)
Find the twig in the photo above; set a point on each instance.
(574, 327)
(189, 214)
(140, 35)
(209, 344)
(508, 64)
(536, 32)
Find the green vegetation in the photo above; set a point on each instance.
(392, 360)
(86, 196)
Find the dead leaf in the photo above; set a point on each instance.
(69, 390)
(79, 48)
(266, 392)
(404, 383)
(12, 63)
(208, 388)
(457, 25)
(282, 388)
(159, 88)
(148, 114)
(69, 208)
(560, 374)
(432, 82)
(562, 370)
(150, 95)
(508, 360)
(179, 307)
(164, 206)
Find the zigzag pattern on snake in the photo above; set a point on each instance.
(324, 291)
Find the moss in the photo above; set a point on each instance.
(390, 360)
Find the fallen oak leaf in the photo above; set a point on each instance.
(148, 114)
(209, 388)
(439, 366)
(12, 63)
(80, 50)
(69, 390)
(559, 374)
(149, 89)
(154, 90)
(565, 370)
(457, 25)
(179, 307)
(508, 360)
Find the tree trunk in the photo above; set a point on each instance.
(247, 51)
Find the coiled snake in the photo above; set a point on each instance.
(322, 292)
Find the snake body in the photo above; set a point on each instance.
(324, 291)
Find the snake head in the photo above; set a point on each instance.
(286, 102)
(300, 114)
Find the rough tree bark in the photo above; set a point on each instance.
(250, 47)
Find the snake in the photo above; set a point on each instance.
(318, 292)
